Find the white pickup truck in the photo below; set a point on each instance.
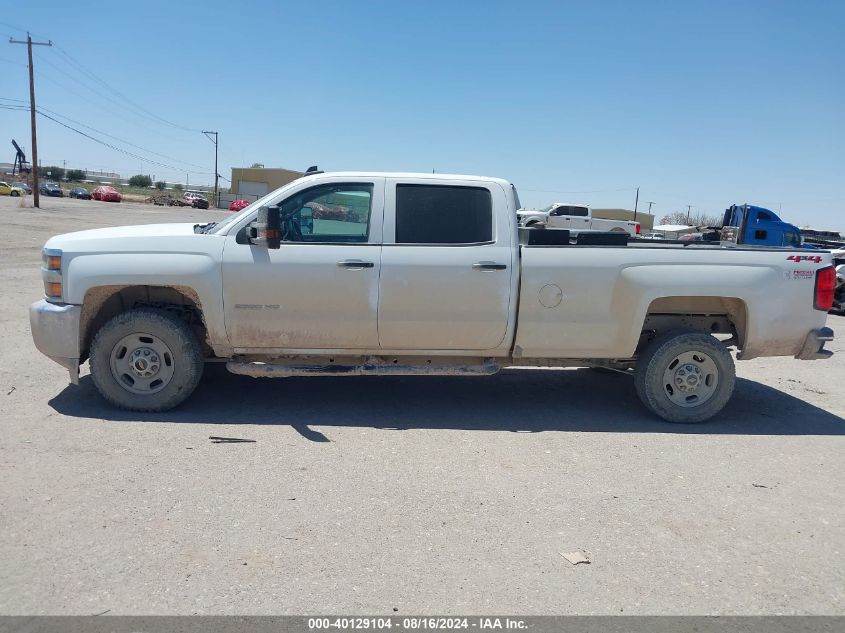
(340, 274)
(574, 217)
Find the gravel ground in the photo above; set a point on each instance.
(407, 495)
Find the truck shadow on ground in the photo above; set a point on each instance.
(517, 400)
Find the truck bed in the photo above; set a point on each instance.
(591, 301)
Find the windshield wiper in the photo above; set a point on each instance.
(204, 228)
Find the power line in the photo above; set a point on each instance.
(13, 63)
(16, 28)
(116, 92)
(42, 109)
(119, 149)
(66, 88)
(86, 77)
(98, 92)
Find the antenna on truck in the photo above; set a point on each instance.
(313, 170)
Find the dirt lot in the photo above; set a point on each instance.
(407, 495)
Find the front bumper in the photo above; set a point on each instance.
(55, 331)
(813, 348)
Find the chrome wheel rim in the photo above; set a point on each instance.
(690, 379)
(142, 363)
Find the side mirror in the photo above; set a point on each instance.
(267, 228)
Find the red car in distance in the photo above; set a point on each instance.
(239, 205)
(106, 194)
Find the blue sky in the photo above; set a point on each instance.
(701, 103)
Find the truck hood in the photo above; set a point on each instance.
(145, 236)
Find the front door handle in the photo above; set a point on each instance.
(488, 266)
(355, 264)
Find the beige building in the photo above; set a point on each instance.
(646, 220)
(253, 182)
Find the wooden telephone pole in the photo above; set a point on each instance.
(36, 200)
(216, 174)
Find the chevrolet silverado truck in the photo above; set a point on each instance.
(574, 217)
(417, 274)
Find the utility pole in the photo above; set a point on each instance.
(216, 175)
(689, 208)
(636, 202)
(36, 201)
(649, 206)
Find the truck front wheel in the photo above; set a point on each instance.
(685, 376)
(146, 360)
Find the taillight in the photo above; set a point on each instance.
(825, 285)
(638, 228)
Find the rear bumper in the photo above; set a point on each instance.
(813, 348)
(55, 332)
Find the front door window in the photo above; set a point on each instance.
(336, 213)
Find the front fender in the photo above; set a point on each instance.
(199, 272)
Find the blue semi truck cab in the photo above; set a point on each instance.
(747, 224)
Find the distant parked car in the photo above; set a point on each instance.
(190, 195)
(51, 189)
(22, 185)
(8, 190)
(239, 205)
(106, 194)
(199, 202)
(79, 192)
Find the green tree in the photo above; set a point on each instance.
(75, 175)
(52, 172)
(140, 180)
(178, 186)
(160, 185)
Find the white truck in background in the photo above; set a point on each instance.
(349, 274)
(575, 217)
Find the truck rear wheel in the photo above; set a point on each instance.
(146, 360)
(685, 376)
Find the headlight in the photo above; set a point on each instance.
(51, 272)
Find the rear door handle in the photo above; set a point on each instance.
(355, 264)
(488, 266)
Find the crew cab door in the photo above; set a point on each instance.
(319, 290)
(447, 265)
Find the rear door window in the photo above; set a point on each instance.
(443, 214)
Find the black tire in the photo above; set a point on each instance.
(14, 194)
(176, 335)
(655, 361)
